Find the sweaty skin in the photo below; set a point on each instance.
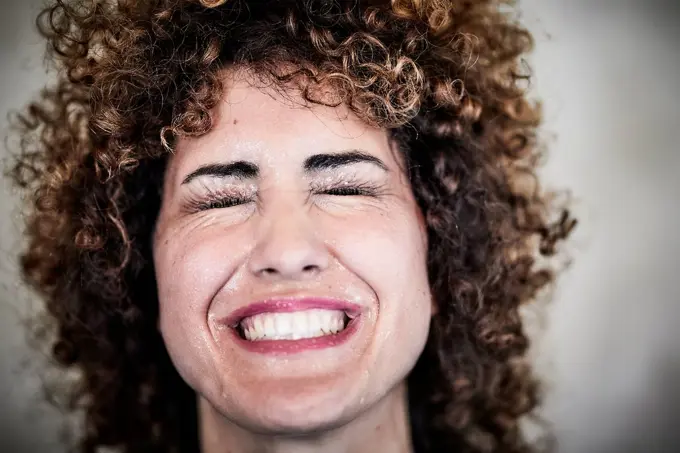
(275, 227)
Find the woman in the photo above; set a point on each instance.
(288, 226)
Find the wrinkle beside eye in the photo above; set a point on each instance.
(201, 220)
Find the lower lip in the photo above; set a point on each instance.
(287, 347)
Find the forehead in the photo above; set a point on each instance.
(257, 122)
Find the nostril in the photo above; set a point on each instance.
(310, 268)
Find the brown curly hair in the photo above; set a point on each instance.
(444, 77)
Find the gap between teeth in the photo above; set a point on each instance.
(294, 325)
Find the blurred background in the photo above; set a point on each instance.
(608, 72)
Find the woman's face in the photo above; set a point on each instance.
(291, 263)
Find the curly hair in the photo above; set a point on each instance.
(446, 78)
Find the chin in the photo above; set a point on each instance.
(297, 413)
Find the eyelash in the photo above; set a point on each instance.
(221, 201)
(356, 190)
(215, 201)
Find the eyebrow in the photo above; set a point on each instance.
(318, 162)
(239, 169)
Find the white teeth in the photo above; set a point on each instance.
(259, 323)
(293, 325)
(269, 324)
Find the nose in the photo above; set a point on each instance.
(287, 247)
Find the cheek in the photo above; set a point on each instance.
(192, 264)
(389, 253)
(388, 249)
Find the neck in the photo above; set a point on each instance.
(385, 427)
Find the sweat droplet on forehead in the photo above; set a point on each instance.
(248, 145)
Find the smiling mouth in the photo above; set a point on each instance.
(296, 325)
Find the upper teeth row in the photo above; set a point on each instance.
(293, 325)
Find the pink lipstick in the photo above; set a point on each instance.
(291, 305)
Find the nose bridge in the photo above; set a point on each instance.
(287, 244)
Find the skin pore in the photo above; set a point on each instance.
(284, 201)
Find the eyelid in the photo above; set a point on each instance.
(364, 188)
(221, 188)
(203, 199)
(344, 180)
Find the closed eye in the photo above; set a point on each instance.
(348, 188)
(349, 191)
(209, 201)
(223, 202)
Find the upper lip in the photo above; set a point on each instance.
(291, 304)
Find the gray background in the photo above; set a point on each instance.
(609, 75)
